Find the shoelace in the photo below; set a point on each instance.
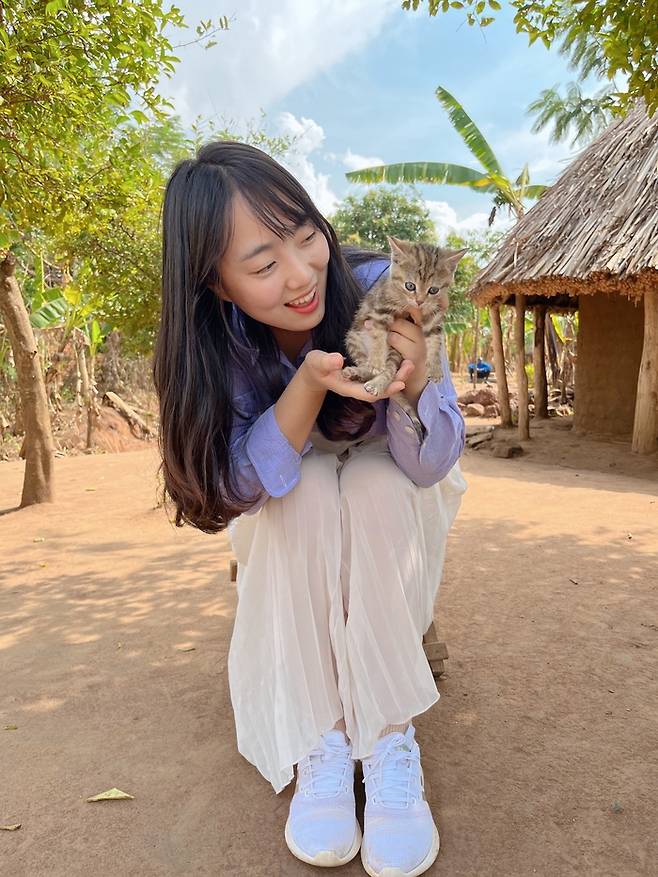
(331, 761)
(394, 788)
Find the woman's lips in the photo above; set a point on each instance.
(308, 306)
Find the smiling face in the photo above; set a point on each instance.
(261, 273)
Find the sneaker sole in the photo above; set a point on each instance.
(398, 872)
(325, 858)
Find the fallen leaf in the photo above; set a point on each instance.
(90, 488)
(10, 827)
(111, 795)
(185, 648)
(39, 539)
(10, 728)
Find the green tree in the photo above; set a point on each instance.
(605, 37)
(582, 117)
(73, 75)
(366, 220)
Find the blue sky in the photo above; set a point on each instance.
(355, 82)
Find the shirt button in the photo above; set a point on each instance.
(396, 414)
(409, 429)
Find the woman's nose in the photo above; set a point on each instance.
(300, 273)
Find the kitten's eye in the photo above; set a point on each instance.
(410, 286)
(433, 290)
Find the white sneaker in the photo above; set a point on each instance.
(322, 828)
(400, 838)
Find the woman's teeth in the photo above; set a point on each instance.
(302, 301)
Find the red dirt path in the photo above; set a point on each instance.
(540, 758)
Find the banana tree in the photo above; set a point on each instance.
(66, 308)
(490, 179)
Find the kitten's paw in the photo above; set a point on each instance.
(350, 373)
(435, 375)
(377, 385)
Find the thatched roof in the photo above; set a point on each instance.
(595, 230)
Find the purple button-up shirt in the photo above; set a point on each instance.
(266, 464)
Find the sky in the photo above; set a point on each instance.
(354, 81)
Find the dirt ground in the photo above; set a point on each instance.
(541, 756)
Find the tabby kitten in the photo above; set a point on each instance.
(419, 278)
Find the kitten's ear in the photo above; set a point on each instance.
(398, 248)
(454, 257)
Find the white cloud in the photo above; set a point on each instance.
(308, 137)
(546, 161)
(270, 49)
(445, 220)
(354, 162)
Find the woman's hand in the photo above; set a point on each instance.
(322, 371)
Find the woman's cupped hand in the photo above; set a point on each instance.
(322, 371)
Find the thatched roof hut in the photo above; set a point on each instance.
(591, 243)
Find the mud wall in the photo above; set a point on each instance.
(609, 352)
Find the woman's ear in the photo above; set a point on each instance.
(217, 289)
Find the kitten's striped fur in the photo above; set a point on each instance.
(374, 361)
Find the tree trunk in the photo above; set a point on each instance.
(645, 427)
(499, 364)
(509, 339)
(521, 376)
(476, 344)
(87, 385)
(539, 362)
(553, 350)
(453, 348)
(39, 447)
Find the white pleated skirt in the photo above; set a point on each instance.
(336, 584)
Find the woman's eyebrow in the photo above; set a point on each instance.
(262, 247)
(256, 251)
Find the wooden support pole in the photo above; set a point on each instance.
(521, 376)
(539, 362)
(499, 363)
(645, 427)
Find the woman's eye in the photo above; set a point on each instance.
(433, 290)
(310, 237)
(266, 268)
(410, 286)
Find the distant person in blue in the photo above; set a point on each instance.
(484, 369)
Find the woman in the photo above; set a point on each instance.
(338, 513)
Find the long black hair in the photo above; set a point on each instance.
(196, 342)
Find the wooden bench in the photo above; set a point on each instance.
(435, 651)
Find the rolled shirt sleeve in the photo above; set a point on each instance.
(428, 460)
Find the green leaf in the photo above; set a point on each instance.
(139, 116)
(468, 131)
(53, 313)
(54, 6)
(417, 172)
